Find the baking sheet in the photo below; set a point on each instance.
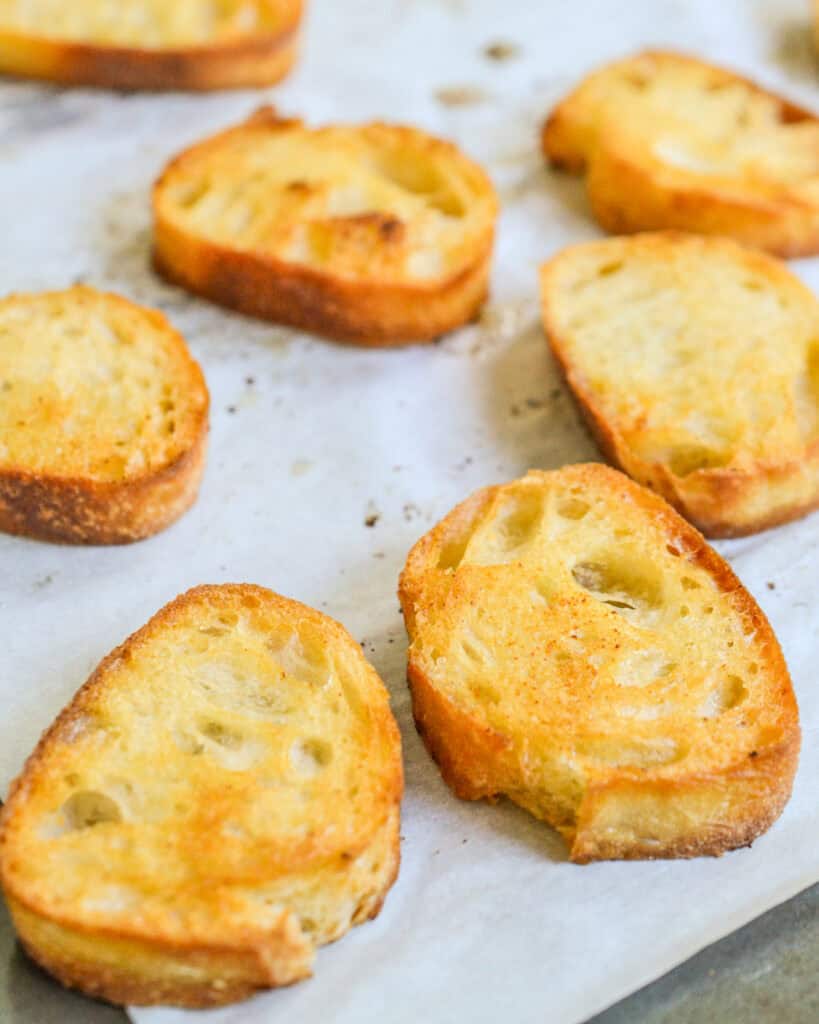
(310, 440)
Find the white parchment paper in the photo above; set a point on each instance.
(487, 921)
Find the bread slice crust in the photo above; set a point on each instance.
(355, 306)
(220, 948)
(631, 188)
(748, 489)
(234, 63)
(54, 500)
(487, 735)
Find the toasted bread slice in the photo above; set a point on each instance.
(668, 141)
(150, 44)
(219, 799)
(103, 418)
(578, 647)
(696, 364)
(373, 234)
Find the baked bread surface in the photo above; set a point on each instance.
(577, 646)
(219, 799)
(103, 418)
(376, 234)
(696, 364)
(668, 141)
(150, 44)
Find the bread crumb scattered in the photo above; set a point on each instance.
(460, 95)
(501, 50)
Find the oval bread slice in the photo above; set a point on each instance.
(668, 141)
(578, 647)
(696, 364)
(219, 799)
(150, 44)
(103, 418)
(374, 234)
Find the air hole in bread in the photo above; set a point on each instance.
(310, 756)
(302, 660)
(730, 692)
(484, 693)
(188, 744)
(221, 734)
(544, 590)
(623, 584)
(474, 651)
(456, 541)
(572, 508)
(228, 619)
(635, 79)
(627, 752)
(688, 458)
(191, 194)
(642, 668)
(420, 179)
(610, 268)
(806, 393)
(519, 520)
(689, 584)
(88, 807)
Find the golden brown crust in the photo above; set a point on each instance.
(195, 976)
(627, 198)
(631, 190)
(146, 960)
(67, 508)
(355, 312)
(623, 812)
(95, 512)
(236, 64)
(362, 311)
(722, 502)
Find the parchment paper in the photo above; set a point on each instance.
(487, 921)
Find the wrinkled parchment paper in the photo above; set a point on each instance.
(487, 921)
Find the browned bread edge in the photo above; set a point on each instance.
(244, 63)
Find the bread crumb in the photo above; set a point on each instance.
(460, 95)
(501, 50)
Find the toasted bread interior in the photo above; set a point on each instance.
(374, 203)
(572, 637)
(697, 353)
(234, 767)
(682, 115)
(94, 388)
(148, 24)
